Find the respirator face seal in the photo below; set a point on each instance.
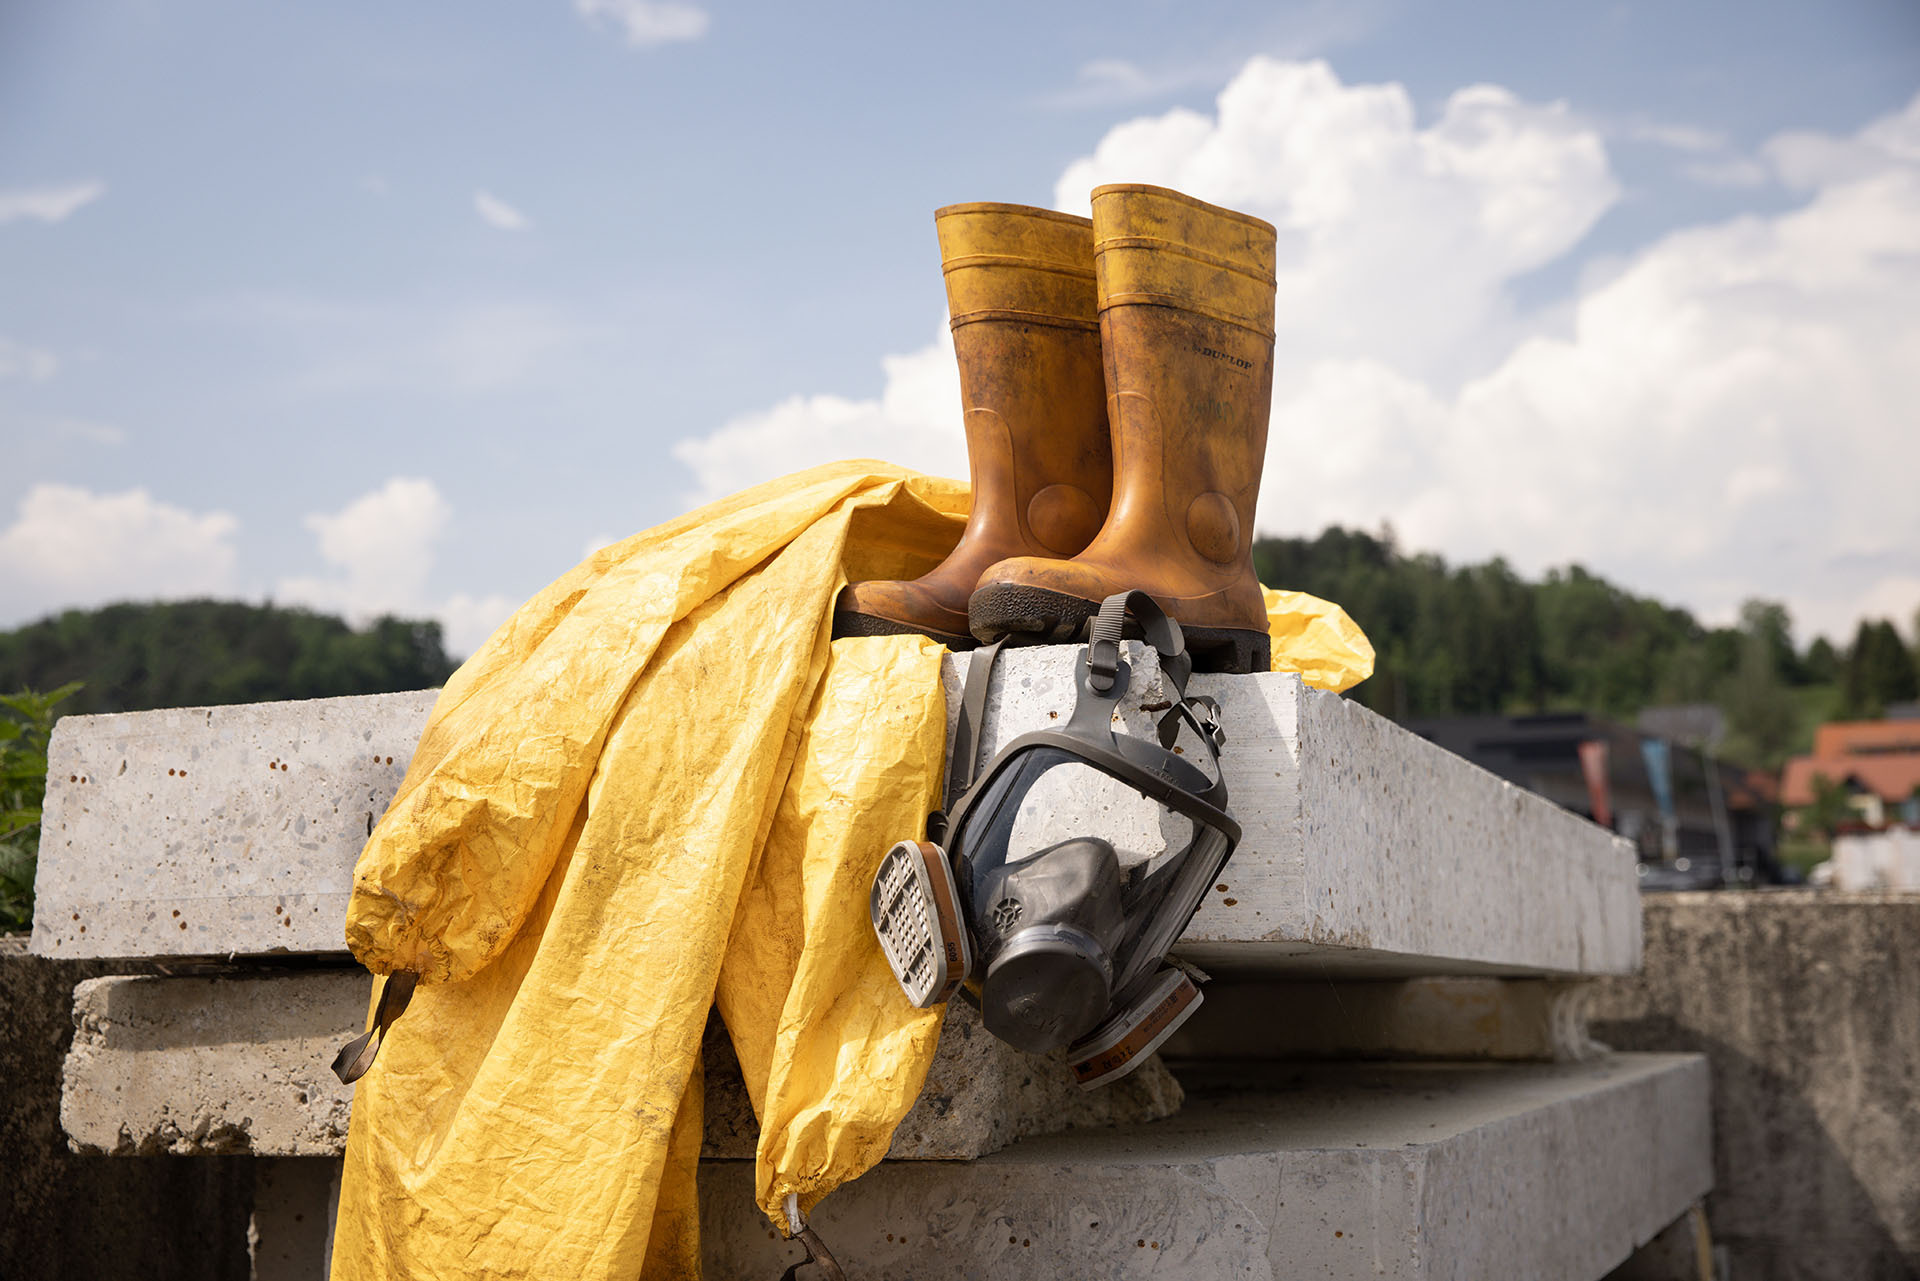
(1071, 866)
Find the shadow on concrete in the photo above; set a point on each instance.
(1787, 1204)
(97, 1218)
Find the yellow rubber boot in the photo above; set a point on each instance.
(1186, 295)
(1021, 298)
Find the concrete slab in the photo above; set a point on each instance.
(1367, 852)
(1807, 1004)
(1331, 1171)
(214, 831)
(194, 1066)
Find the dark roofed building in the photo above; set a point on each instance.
(1542, 754)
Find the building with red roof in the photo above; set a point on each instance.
(1877, 761)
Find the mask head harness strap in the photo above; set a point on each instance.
(963, 758)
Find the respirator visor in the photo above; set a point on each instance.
(1070, 866)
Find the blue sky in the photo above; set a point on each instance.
(372, 306)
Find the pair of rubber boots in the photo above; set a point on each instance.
(1117, 374)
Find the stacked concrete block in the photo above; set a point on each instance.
(1388, 902)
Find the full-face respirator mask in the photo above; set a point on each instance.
(1059, 878)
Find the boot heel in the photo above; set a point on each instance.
(1009, 609)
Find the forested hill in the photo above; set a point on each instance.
(201, 652)
(1452, 640)
(1461, 640)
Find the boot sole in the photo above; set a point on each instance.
(848, 623)
(1054, 618)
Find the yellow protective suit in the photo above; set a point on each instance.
(656, 788)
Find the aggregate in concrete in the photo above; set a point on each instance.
(1344, 1171)
(196, 1066)
(1368, 851)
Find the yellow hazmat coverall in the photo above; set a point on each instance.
(658, 787)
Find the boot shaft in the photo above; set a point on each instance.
(1021, 296)
(1186, 297)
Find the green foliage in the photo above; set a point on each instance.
(1828, 811)
(26, 719)
(1822, 662)
(1877, 670)
(1480, 639)
(1476, 640)
(201, 653)
(176, 654)
(1765, 711)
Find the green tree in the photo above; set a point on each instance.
(1763, 719)
(1830, 809)
(1768, 624)
(1822, 663)
(26, 721)
(1878, 670)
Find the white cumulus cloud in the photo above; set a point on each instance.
(1397, 241)
(647, 22)
(48, 204)
(381, 550)
(914, 422)
(32, 364)
(71, 548)
(1726, 412)
(497, 213)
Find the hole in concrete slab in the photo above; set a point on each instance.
(1230, 902)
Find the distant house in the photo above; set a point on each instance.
(1877, 761)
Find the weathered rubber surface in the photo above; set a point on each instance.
(1048, 617)
(1009, 609)
(849, 623)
